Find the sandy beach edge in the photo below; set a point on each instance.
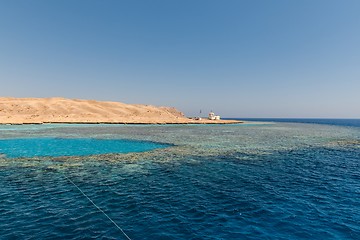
(21, 111)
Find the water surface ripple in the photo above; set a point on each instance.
(279, 181)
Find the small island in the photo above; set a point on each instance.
(77, 111)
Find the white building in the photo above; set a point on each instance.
(212, 116)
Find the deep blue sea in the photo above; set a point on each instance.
(327, 121)
(282, 180)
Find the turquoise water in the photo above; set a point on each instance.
(55, 147)
(271, 181)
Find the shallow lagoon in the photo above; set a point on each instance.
(59, 147)
(275, 181)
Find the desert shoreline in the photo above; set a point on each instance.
(120, 123)
(21, 111)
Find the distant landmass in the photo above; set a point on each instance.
(62, 110)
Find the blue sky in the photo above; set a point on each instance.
(254, 58)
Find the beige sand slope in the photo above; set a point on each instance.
(61, 110)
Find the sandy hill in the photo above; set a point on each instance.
(61, 110)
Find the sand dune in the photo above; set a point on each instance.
(61, 110)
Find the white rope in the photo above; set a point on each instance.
(98, 208)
